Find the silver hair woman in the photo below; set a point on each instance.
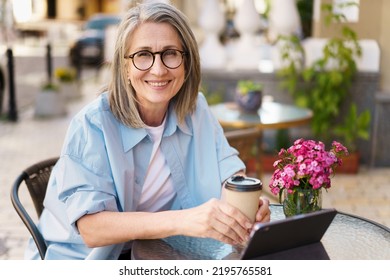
(122, 97)
(146, 159)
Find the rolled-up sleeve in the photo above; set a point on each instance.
(84, 191)
(83, 172)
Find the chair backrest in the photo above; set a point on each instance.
(247, 142)
(36, 178)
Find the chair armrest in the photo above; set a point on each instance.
(27, 220)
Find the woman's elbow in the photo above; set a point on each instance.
(87, 232)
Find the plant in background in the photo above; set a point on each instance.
(50, 86)
(324, 85)
(246, 86)
(354, 126)
(64, 74)
(249, 95)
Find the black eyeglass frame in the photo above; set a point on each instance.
(161, 53)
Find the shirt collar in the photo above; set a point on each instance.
(132, 136)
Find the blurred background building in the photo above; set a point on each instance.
(227, 29)
(369, 20)
(236, 40)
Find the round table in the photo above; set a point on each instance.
(348, 238)
(271, 115)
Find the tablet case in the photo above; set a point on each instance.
(296, 237)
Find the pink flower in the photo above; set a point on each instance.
(306, 164)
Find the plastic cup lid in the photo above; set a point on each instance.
(242, 183)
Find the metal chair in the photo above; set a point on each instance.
(247, 141)
(36, 178)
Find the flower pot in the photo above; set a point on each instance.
(350, 164)
(249, 102)
(267, 162)
(302, 201)
(49, 103)
(70, 90)
(251, 167)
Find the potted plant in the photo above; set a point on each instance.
(68, 82)
(249, 95)
(353, 127)
(324, 85)
(302, 171)
(49, 101)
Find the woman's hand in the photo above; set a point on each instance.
(263, 213)
(218, 220)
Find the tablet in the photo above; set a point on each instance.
(291, 236)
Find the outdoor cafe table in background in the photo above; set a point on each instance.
(271, 115)
(349, 237)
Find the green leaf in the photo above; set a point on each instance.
(322, 88)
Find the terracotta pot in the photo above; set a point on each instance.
(267, 162)
(350, 164)
(251, 165)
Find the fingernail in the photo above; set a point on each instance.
(248, 225)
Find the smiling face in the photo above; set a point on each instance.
(154, 88)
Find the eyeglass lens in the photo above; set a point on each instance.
(143, 60)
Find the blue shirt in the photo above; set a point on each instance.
(103, 164)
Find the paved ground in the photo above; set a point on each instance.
(30, 71)
(22, 144)
(29, 140)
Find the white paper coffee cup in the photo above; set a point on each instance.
(244, 193)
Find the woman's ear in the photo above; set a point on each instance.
(128, 76)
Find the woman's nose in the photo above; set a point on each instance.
(158, 67)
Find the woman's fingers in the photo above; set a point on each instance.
(232, 223)
(264, 212)
(218, 220)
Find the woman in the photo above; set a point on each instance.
(146, 159)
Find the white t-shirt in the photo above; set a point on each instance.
(157, 191)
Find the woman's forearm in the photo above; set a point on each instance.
(106, 228)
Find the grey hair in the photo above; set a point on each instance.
(122, 98)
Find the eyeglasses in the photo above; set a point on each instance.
(144, 60)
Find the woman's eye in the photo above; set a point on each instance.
(170, 53)
(143, 54)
